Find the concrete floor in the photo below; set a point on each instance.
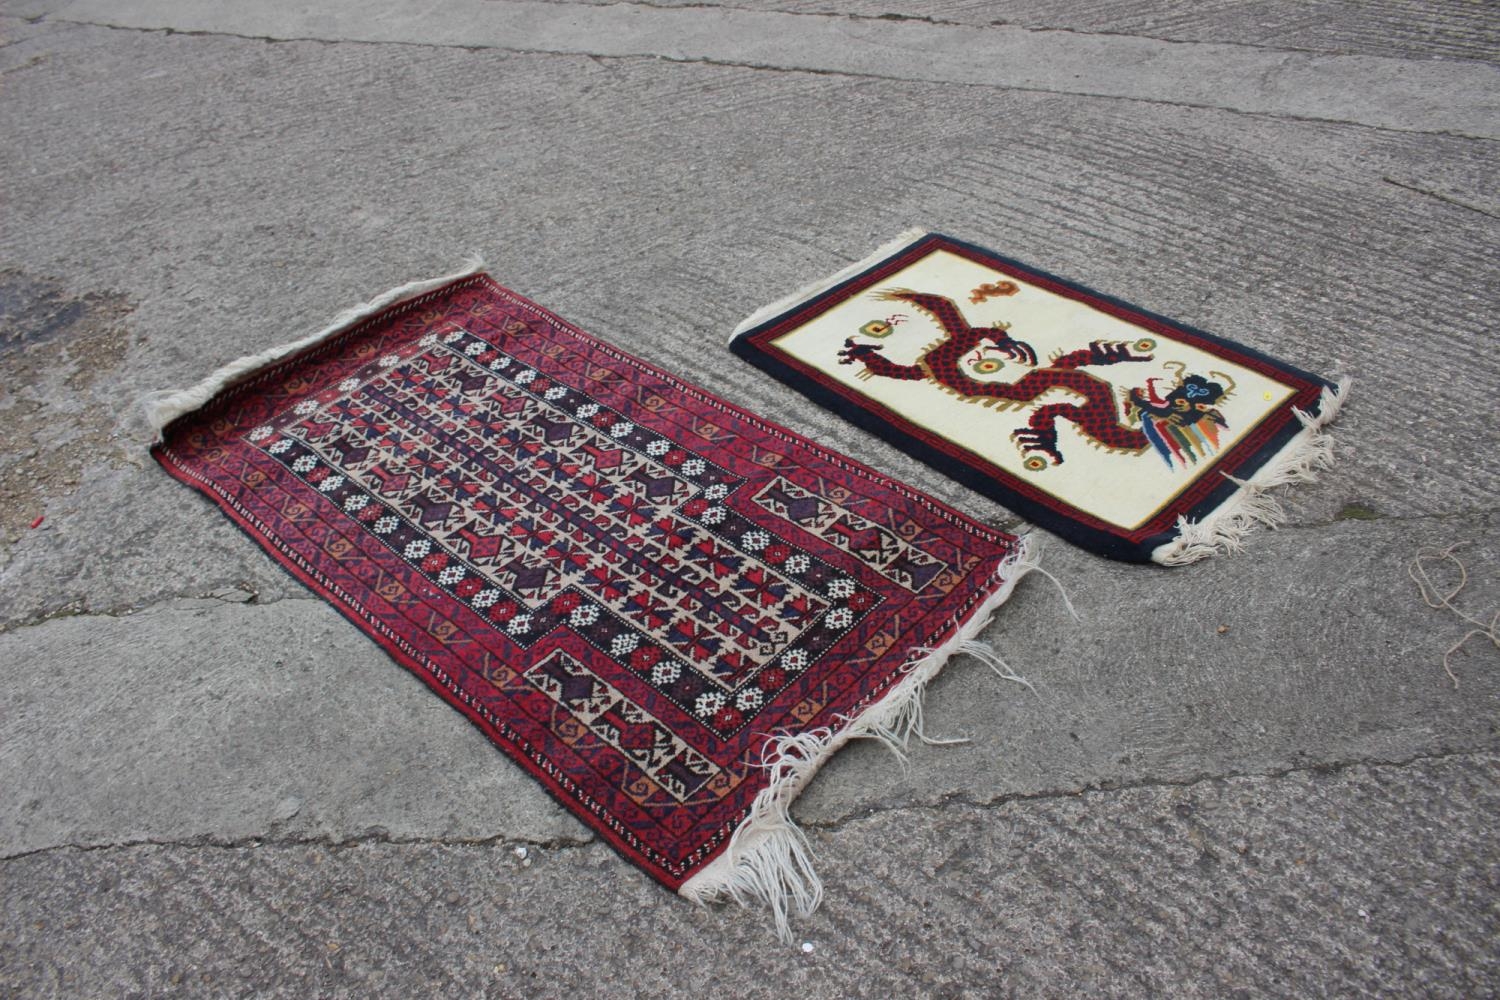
(1249, 777)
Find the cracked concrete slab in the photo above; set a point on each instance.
(1369, 881)
(174, 201)
(290, 723)
(221, 721)
(1422, 96)
(1313, 649)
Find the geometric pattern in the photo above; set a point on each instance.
(876, 547)
(446, 455)
(626, 583)
(611, 716)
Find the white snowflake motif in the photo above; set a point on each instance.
(357, 502)
(583, 615)
(623, 644)
(331, 483)
(455, 335)
(665, 673)
(451, 575)
(693, 467)
(474, 349)
(798, 563)
(349, 385)
(794, 660)
(428, 340)
(840, 618)
(716, 492)
(280, 447)
(519, 625)
(749, 699)
(500, 363)
(386, 525)
(708, 703)
(485, 598)
(713, 515)
(418, 548)
(390, 361)
(755, 540)
(260, 433)
(658, 448)
(841, 588)
(525, 376)
(587, 410)
(305, 407)
(621, 429)
(304, 464)
(555, 393)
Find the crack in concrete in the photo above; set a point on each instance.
(270, 839)
(295, 39)
(961, 800)
(36, 60)
(1020, 89)
(762, 67)
(1440, 197)
(1337, 520)
(956, 800)
(997, 23)
(77, 609)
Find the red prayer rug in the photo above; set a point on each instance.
(1123, 431)
(666, 609)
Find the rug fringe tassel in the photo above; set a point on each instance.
(161, 408)
(820, 286)
(986, 654)
(1224, 530)
(768, 860)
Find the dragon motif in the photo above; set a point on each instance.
(1180, 424)
(1183, 424)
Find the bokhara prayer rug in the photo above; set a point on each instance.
(1127, 433)
(666, 609)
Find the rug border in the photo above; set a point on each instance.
(1271, 436)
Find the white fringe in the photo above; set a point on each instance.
(768, 860)
(1224, 529)
(166, 406)
(822, 285)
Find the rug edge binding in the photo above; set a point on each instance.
(768, 861)
(1252, 505)
(818, 287)
(163, 407)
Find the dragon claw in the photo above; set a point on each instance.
(854, 352)
(1015, 350)
(1112, 352)
(1019, 350)
(1035, 439)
